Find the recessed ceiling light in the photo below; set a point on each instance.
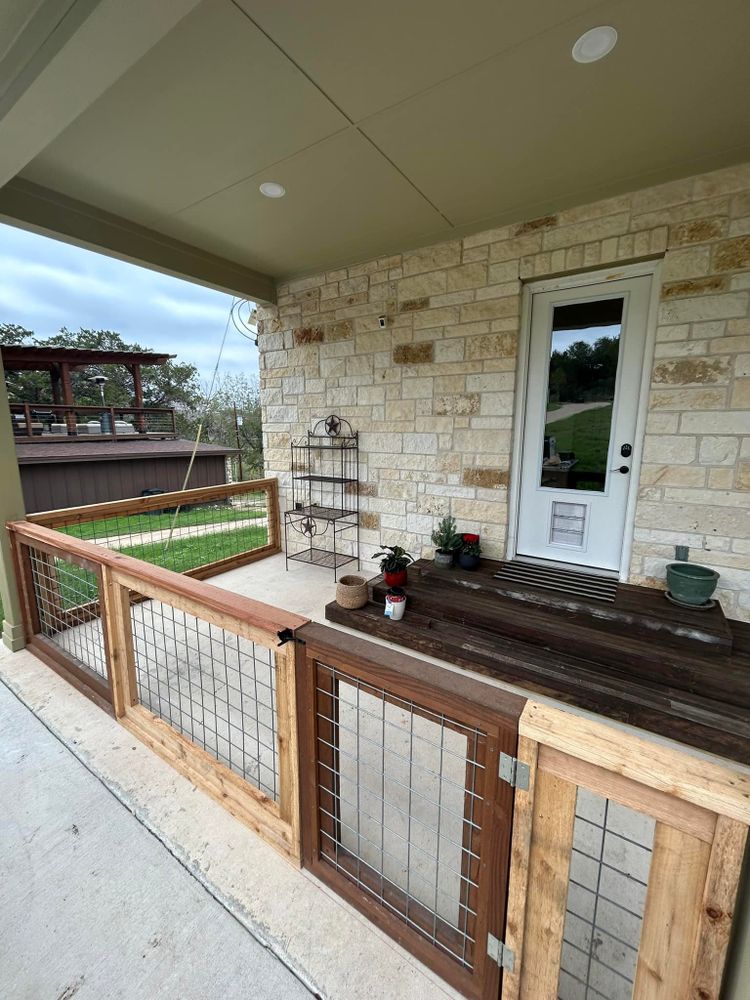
(596, 43)
(272, 190)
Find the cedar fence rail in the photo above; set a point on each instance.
(384, 775)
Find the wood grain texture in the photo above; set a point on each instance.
(255, 613)
(712, 785)
(118, 634)
(679, 864)
(676, 812)
(523, 815)
(717, 910)
(288, 743)
(547, 892)
(241, 799)
(141, 505)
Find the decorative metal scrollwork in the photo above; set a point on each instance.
(333, 426)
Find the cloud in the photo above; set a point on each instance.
(46, 284)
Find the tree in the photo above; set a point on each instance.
(173, 384)
(216, 410)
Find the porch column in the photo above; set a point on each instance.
(11, 509)
(54, 377)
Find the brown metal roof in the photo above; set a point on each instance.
(19, 358)
(111, 451)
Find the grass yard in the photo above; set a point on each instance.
(133, 524)
(587, 434)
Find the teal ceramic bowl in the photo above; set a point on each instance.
(690, 583)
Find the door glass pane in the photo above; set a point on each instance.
(580, 394)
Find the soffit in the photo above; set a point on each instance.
(393, 125)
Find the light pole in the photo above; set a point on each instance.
(101, 381)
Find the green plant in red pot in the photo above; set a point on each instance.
(470, 551)
(393, 563)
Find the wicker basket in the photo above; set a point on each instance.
(351, 592)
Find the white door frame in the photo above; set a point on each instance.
(601, 276)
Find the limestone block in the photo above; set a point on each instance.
(697, 231)
(740, 397)
(672, 475)
(696, 422)
(512, 249)
(467, 276)
(692, 371)
(422, 285)
(489, 309)
(685, 399)
(417, 388)
(491, 382)
(718, 450)
(670, 449)
(341, 330)
(583, 232)
(690, 262)
(414, 354)
(496, 404)
(727, 306)
(431, 258)
(436, 317)
(420, 444)
(457, 405)
(742, 481)
(495, 345)
(686, 287)
(450, 350)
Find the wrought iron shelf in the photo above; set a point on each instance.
(325, 479)
(323, 557)
(322, 513)
(325, 500)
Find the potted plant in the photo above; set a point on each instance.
(691, 584)
(446, 540)
(470, 551)
(393, 563)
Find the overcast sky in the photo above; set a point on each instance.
(45, 285)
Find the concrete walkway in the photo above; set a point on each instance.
(92, 905)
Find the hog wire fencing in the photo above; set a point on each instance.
(199, 532)
(196, 672)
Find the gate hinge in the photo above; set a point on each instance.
(501, 953)
(514, 771)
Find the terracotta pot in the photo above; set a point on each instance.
(397, 579)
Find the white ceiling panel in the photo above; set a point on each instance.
(213, 103)
(343, 202)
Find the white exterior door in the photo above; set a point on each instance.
(585, 363)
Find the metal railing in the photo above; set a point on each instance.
(45, 422)
(199, 532)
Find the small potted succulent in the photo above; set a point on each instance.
(393, 563)
(469, 552)
(446, 540)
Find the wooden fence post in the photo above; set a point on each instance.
(114, 602)
(288, 742)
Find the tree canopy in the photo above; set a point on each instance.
(175, 384)
(584, 372)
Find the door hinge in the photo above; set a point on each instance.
(501, 953)
(514, 771)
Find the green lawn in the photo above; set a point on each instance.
(132, 524)
(587, 434)
(78, 586)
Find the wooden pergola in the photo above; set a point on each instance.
(61, 361)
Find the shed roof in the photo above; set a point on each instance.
(112, 451)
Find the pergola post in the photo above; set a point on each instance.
(11, 509)
(67, 394)
(140, 423)
(54, 377)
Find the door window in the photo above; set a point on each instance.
(581, 380)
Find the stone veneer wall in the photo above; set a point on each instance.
(433, 394)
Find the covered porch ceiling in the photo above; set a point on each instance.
(146, 129)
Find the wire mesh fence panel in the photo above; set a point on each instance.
(212, 686)
(608, 880)
(400, 793)
(185, 538)
(69, 614)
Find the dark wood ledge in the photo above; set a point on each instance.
(640, 660)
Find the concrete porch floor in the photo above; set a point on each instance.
(91, 904)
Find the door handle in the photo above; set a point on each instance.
(624, 469)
